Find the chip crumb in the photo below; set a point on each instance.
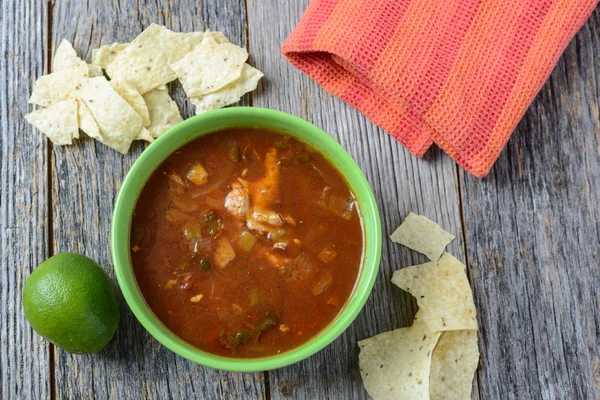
(197, 298)
(284, 328)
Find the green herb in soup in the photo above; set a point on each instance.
(246, 242)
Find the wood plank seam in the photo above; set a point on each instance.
(459, 172)
(49, 166)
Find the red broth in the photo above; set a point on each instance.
(246, 242)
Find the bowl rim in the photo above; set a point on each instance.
(177, 137)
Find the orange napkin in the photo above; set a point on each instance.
(460, 73)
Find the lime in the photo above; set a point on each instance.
(70, 300)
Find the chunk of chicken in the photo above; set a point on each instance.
(237, 201)
(256, 226)
(253, 200)
(268, 217)
(265, 191)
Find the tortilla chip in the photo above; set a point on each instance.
(144, 134)
(211, 37)
(422, 235)
(58, 121)
(395, 364)
(453, 365)
(145, 62)
(118, 122)
(229, 94)
(95, 71)
(87, 123)
(209, 68)
(133, 97)
(442, 291)
(163, 111)
(106, 54)
(65, 57)
(58, 86)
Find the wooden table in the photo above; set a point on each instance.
(529, 232)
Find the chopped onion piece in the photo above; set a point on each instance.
(301, 267)
(327, 254)
(333, 301)
(201, 245)
(246, 241)
(322, 284)
(224, 253)
(176, 183)
(339, 205)
(185, 205)
(192, 230)
(197, 175)
(255, 298)
(177, 216)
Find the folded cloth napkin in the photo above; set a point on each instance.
(460, 73)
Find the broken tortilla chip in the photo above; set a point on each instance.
(65, 57)
(211, 37)
(95, 71)
(133, 97)
(118, 122)
(422, 235)
(144, 134)
(396, 364)
(229, 94)
(163, 111)
(454, 361)
(209, 68)
(442, 291)
(87, 123)
(58, 121)
(58, 86)
(106, 54)
(145, 62)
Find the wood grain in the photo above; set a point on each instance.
(533, 234)
(86, 179)
(532, 227)
(401, 184)
(23, 197)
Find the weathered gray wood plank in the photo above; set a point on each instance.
(23, 197)
(401, 184)
(86, 178)
(533, 234)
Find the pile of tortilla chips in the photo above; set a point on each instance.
(437, 356)
(135, 103)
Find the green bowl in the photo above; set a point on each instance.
(204, 124)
